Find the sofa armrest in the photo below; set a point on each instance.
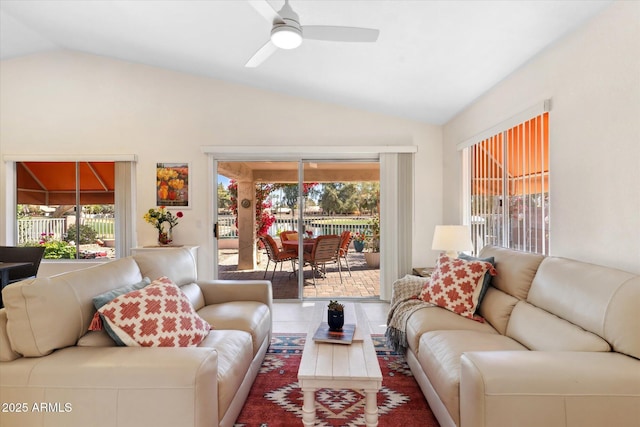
(534, 388)
(220, 291)
(124, 386)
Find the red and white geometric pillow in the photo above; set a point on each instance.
(159, 315)
(453, 285)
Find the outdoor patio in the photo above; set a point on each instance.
(364, 281)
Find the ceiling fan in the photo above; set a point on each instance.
(287, 33)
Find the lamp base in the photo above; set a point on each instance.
(451, 254)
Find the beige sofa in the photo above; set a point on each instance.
(559, 347)
(55, 373)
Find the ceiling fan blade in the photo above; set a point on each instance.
(265, 9)
(339, 34)
(261, 55)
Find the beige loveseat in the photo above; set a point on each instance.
(559, 347)
(55, 373)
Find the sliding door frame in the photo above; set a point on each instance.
(396, 242)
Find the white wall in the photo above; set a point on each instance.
(67, 102)
(593, 78)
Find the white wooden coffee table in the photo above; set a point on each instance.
(340, 366)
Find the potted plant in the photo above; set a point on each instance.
(358, 241)
(372, 255)
(335, 315)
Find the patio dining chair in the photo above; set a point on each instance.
(324, 251)
(289, 235)
(32, 254)
(276, 255)
(345, 240)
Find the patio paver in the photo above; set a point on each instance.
(364, 281)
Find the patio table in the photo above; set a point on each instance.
(4, 274)
(292, 245)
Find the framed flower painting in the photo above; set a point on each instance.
(172, 184)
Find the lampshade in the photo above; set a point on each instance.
(286, 37)
(452, 239)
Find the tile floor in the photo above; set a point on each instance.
(292, 317)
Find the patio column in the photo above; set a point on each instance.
(246, 225)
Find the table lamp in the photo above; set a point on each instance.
(452, 239)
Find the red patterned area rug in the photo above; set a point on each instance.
(275, 400)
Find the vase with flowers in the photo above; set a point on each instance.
(164, 221)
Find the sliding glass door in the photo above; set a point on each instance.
(340, 202)
(275, 220)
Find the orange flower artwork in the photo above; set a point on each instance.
(172, 184)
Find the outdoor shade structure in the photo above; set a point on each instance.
(54, 183)
(524, 165)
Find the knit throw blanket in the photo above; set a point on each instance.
(404, 303)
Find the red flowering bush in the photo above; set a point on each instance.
(264, 219)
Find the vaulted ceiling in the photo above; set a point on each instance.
(431, 60)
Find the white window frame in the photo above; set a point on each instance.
(528, 114)
(125, 195)
(396, 184)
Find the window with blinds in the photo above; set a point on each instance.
(509, 187)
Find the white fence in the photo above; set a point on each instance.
(33, 230)
(104, 227)
(318, 225)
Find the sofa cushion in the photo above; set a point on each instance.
(543, 331)
(249, 316)
(159, 315)
(439, 357)
(496, 308)
(453, 284)
(515, 269)
(102, 299)
(235, 354)
(96, 339)
(178, 264)
(194, 293)
(436, 318)
(599, 299)
(50, 313)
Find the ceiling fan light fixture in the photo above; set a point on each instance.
(286, 37)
